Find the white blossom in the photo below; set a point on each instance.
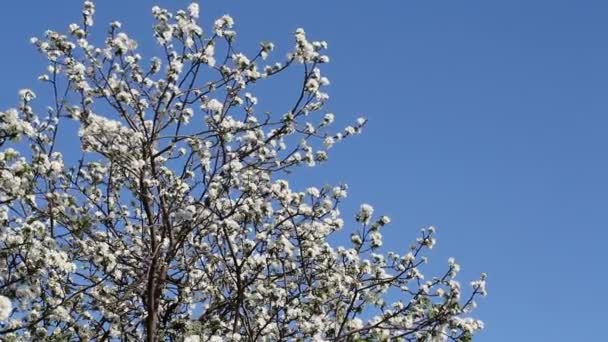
(26, 95)
(385, 219)
(208, 54)
(5, 308)
(214, 106)
(123, 43)
(88, 12)
(222, 26)
(365, 213)
(193, 10)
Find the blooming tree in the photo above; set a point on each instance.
(174, 220)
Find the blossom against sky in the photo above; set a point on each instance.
(486, 119)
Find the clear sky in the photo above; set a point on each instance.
(488, 119)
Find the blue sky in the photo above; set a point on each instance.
(488, 119)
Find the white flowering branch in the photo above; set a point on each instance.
(175, 219)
